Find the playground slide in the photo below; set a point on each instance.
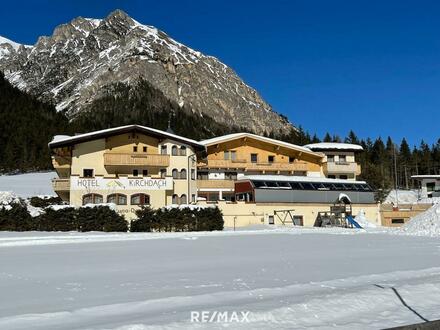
(353, 222)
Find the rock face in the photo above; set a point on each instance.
(83, 58)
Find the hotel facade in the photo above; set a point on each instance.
(131, 166)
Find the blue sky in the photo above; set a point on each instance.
(370, 66)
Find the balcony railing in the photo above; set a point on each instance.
(219, 184)
(61, 184)
(258, 166)
(343, 167)
(127, 159)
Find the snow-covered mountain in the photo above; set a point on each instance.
(85, 57)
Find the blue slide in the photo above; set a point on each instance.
(353, 222)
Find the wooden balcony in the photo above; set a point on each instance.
(138, 159)
(248, 166)
(215, 184)
(61, 162)
(61, 185)
(343, 167)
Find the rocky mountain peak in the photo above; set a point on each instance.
(83, 59)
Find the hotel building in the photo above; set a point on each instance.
(339, 160)
(252, 179)
(129, 166)
(231, 157)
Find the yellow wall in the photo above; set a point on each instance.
(90, 155)
(245, 214)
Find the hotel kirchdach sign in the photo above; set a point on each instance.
(141, 184)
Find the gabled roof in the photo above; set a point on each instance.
(327, 146)
(64, 140)
(235, 136)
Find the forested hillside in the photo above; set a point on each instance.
(26, 126)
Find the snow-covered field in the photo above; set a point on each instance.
(28, 184)
(285, 278)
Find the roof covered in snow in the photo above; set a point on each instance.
(421, 177)
(322, 146)
(63, 140)
(292, 178)
(234, 136)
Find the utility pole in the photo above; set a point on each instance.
(406, 178)
(395, 176)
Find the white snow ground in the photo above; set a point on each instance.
(296, 278)
(28, 184)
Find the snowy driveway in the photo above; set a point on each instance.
(285, 279)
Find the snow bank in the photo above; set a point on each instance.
(425, 224)
(188, 206)
(363, 221)
(8, 197)
(408, 197)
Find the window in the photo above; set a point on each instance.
(183, 174)
(175, 173)
(118, 199)
(342, 158)
(343, 177)
(270, 159)
(175, 199)
(144, 172)
(88, 173)
(331, 176)
(163, 172)
(183, 199)
(193, 174)
(135, 172)
(254, 158)
(174, 150)
(193, 198)
(92, 199)
(397, 221)
(135, 149)
(298, 220)
(231, 175)
(202, 175)
(226, 155)
(233, 155)
(271, 219)
(144, 149)
(291, 159)
(140, 199)
(163, 150)
(330, 158)
(182, 151)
